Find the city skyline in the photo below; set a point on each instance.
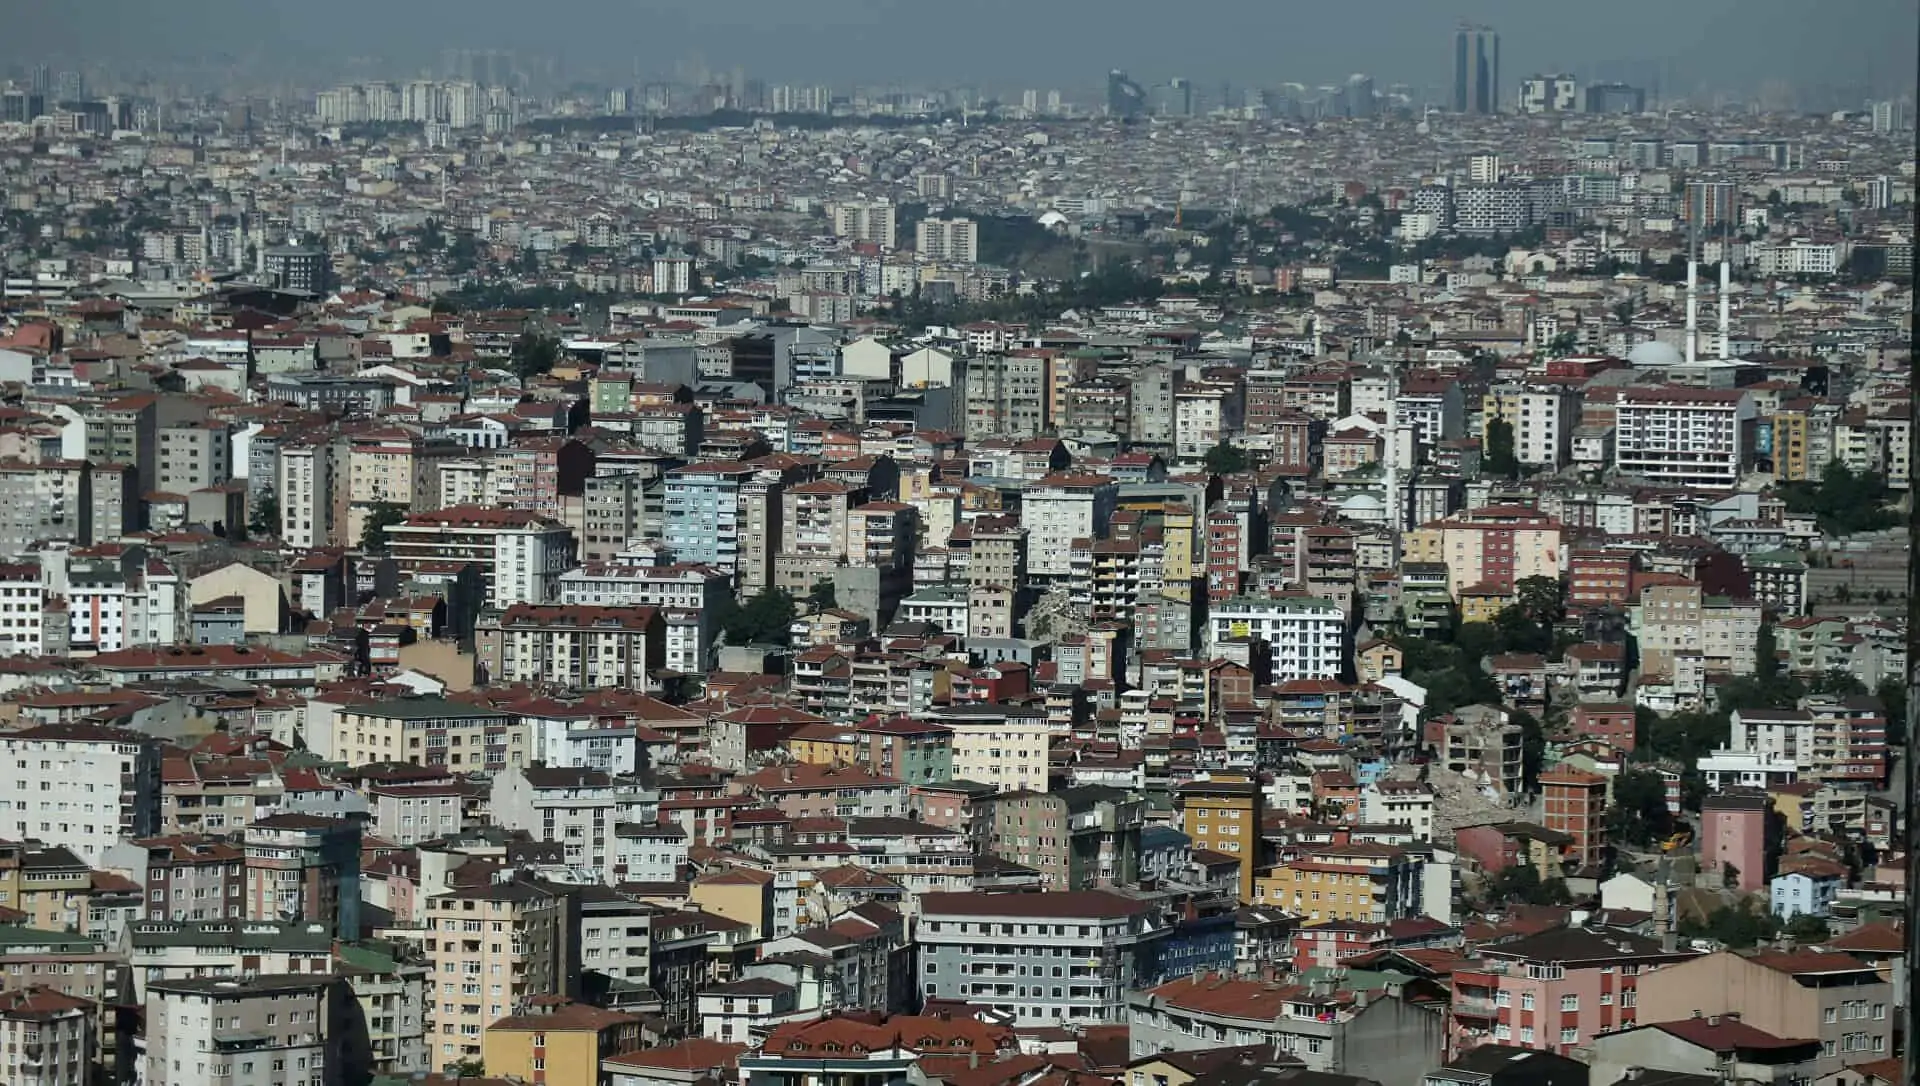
(1700, 49)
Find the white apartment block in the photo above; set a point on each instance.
(1060, 509)
(23, 613)
(520, 554)
(1690, 437)
(578, 808)
(1543, 420)
(1307, 634)
(1008, 752)
(955, 241)
(82, 787)
(303, 486)
(868, 220)
(251, 1031)
(1204, 416)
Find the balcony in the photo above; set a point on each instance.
(1474, 1007)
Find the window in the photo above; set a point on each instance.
(1526, 1035)
(1526, 1001)
(1569, 1035)
(1831, 1016)
(1569, 1003)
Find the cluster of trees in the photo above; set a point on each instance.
(534, 355)
(762, 620)
(1743, 925)
(1639, 816)
(1113, 285)
(1843, 502)
(1521, 884)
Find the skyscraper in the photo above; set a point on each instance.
(1181, 98)
(1476, 70)
(1125, 99)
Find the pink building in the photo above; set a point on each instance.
(1553, 991)
(1733, 833)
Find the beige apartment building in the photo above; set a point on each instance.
(1809, 992)
(491, 949)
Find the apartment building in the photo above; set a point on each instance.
(1691, 437)
(82, 787)
(1077, 838)
(48, 501)
(251, 1031)
(999, 745)
(705, 507)
(1542, 419)
(950, 241)
(1576, 805)
(185, 877)
(1810, 992)
(1060, 509)
(47, 1038)
(1558, 990)
(1829, 738)
(194, 454)
(520, 554)
(1043, 959)
(1365, 882)
(303, 487)
(1318, 1027)
(678, 587)
(492, 948)
(577, 647)
(1204, 415)
(1495, 546)
(1223, 814)
(578, 808)
(429, 730)
(1005, 394)
(304, 868)
(1307, 634)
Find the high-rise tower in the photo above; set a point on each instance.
(1476, 69)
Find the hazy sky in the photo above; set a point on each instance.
(1001, 43)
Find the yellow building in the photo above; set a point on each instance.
(1178, 528)
(1367, 883)
(558, 1044)
(1793, 432)
(823, 744)
(1223, 814)
(1483, 603)
(741, 894)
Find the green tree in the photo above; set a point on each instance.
(823, 596)
(763, 619)
(1498, 449)
(1766, 654)
(1639, 814)
(1541, 599)
(1226, 459)
(1806, 929)
(1843, 502)
(373, 530)
(1521, 884)
(1737, 926)
(264, 520)
(1892, 692)
(534, 355)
